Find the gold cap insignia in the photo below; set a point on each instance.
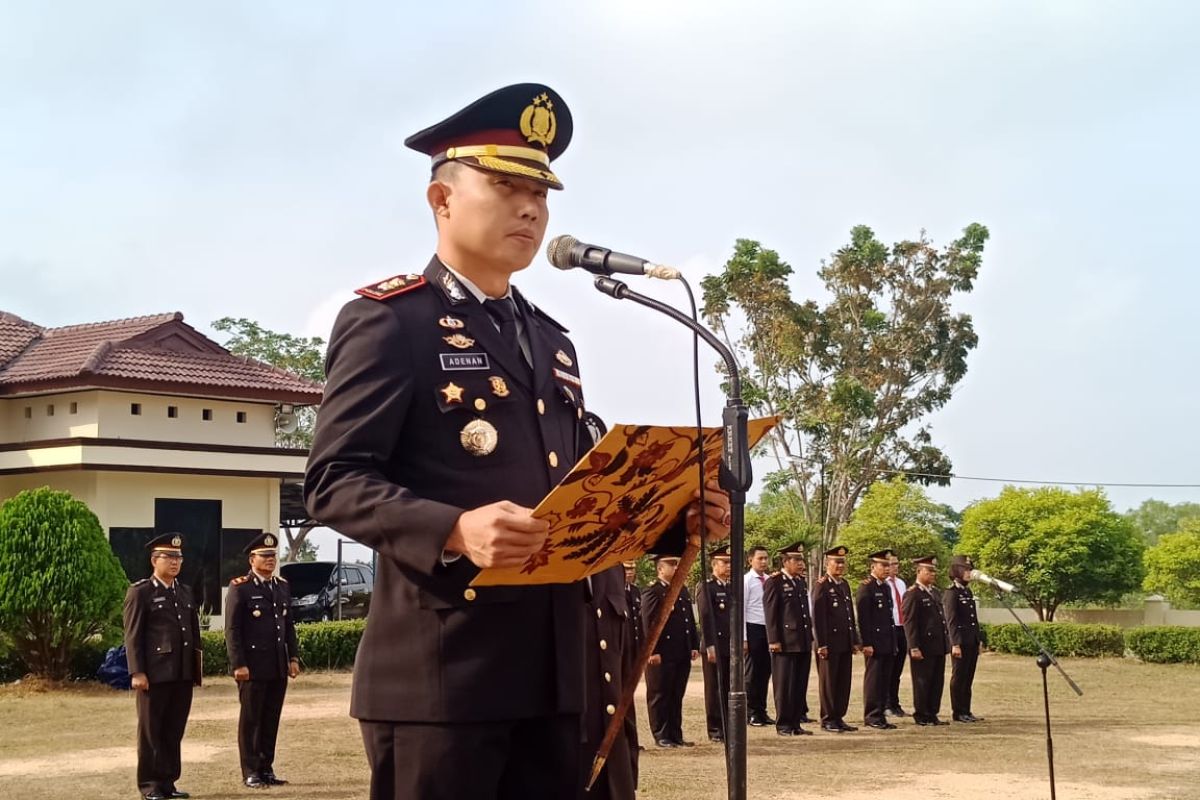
(479, 437)
(459, 341)
(256, 613)
(453, 323)
(537, 120)
(564, 359)
(176, 541)
(499, 387)
(452, 392)
(269, 540)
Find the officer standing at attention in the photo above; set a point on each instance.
(452, 407)
(712, 604)
(928, 643)
(789, 638)
(162, 646)
(874, 603)
(962, 621)
(897, 587)
(633, 597)
(669, 666)
(837, 641)
(260, 638)
(758, 661)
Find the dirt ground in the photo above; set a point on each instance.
(1134, 735)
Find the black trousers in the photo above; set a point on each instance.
(716, 691)
(962, 677)
(530, 759)
(258, 724)
(833, 674)
(666, 684)
(877, 681)
(893, 698)
(789, 675)
(758, 670)
(162, 713)
(929, 680)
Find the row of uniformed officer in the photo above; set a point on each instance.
(669, 666)
(789, 639)
(712, 605)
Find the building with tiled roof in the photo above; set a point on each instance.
(156, 427)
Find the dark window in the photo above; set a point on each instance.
(74, 408)
(206, 415)
(28, 412)
(50, 411)
(233, 561)
(172, 412)
(135, 409)
(199, 522)
(241, 416)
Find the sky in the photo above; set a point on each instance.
(247, 159)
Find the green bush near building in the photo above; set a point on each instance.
(1063, 639)
(1168, 644)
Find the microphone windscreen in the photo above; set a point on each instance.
(558, 251)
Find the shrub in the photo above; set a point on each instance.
(1165, 645)
(60, 583)
(323, 645)
(1060, 638)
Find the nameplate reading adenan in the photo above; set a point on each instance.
(453, 361)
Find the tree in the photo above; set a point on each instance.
(1153, 518)
(1057, 546)
(304, 550)
(854, 378)
(1173, 565)
(298, 355)
(60, 582)
(899, 516)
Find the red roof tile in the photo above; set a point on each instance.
(153, 352)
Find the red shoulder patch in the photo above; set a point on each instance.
(238, 581)
(393, 286)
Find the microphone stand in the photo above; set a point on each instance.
(1044, 659)
(735, 478)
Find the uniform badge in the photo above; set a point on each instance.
(269, 540)
(538, 124)
(454, 289)
(499, 387)
(176, 541)
(452, 392)
(479, 437)
(256, 613)
(392, 286)
(459, 341)
(451, 323)
(564, 359)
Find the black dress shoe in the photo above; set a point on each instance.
(846, 728)
(684, 743)
(786, 731)
(832, 727)
(766, 720)
(896, 712)
(271, 779)
(155, 796)
(801, 732)
(175, 793)
(804, 720)
(939, 722)
(255, 782)
(757, 722)
(881, 726)
(665, 743)
(716, 737)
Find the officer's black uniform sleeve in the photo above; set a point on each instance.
(950, 607)
(367, 393)
(708, 622)
(772, 611)
(133, 616)
(912, 631)
(862, 599)
(820, 612)
(650, 602)
(289, 623)
(234, 628)
(687, 599)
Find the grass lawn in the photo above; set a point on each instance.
(1133, 735)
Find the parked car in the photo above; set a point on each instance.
(316, 587)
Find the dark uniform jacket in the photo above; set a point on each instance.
(712, 603)
(679, 637)
(962, 619)
(833, 616)
(388, 468)
(876, 625)
(785, 604)
(633, 598)
(924, 622)
(609, 665)
(162, 631)
(259, 633)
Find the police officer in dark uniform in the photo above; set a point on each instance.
(928, 643)
(962, 622)
(260, 638)
(670, 665)
(712, 604)
(836, 638)
(874, 604)
(633, 596)
(162, 646)
(451, 408)
(789, 637)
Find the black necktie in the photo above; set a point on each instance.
(504, 313)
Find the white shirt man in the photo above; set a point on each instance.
(898, 588)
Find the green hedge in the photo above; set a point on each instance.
(1061, 638)
(1165, 645)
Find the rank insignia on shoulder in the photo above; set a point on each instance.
(239, 580)
(392, 287)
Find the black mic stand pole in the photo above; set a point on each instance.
(735, 478)
(1044, 659)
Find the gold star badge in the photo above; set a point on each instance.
(452, 392)
(459, 341)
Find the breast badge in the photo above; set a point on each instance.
(499, 387)
(479, 437)
(459, 341)
(452, 323)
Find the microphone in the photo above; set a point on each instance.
(1003, 586)
(567, 252)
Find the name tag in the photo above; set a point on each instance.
(459, 361)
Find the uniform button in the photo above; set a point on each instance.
(579, 413)
(469, 595)
(541, 406)
(552, 458)
(599, 613)
(603, 644)
(610, 708)
(608, 677)
(480, 404)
